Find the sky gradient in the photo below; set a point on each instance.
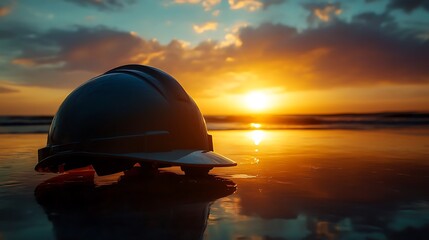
(305, 56)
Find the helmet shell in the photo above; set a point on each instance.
(129, 110)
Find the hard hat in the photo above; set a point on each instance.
(130, 114)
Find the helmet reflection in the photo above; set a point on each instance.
(139, 205)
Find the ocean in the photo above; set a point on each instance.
(343, 176)
(40, 124)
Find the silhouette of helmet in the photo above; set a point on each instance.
(130, 114)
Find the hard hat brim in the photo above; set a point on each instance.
(187, 158)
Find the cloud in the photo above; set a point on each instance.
(338, 54)
(5, 10)
(208, 26)
(344, 54)
(104, 4)
(206, 4)
(232, 37)
(375, 19)
(25, 62)
(65, 58)
(322, 11)
(249, 5)
(187, 1)
(216, 13)
(7, 90)
(268, 3)
(408, 6)
(209, 4)
(78, 48)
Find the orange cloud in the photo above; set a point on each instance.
(208, 26)
(232, 37)
(209, 4)
(249, 5)
(324, 14)
(25, 62)
(5, 10)
(318, 64)
(268, 56)
(7, 89)
(216, 13)
(323, 11)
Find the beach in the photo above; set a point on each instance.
(289, 184)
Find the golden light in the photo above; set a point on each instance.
(257, 136)
(256, 101)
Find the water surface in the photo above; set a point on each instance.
(289, 184)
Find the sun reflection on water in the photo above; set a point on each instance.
(257, 136)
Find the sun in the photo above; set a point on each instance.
(256, 101)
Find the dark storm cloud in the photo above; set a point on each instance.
(408, 6)
(103, 4)
(268, 3)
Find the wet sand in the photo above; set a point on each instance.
(289, 184)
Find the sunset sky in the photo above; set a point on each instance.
(300, 56)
